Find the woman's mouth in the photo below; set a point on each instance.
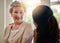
(16, 17)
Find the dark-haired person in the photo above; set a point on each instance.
(46, 25)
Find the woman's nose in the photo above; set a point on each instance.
(18, 14)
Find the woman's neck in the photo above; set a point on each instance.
(17, 23)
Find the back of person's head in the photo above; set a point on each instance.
(47, 27)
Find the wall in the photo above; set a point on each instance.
(1, 19)
(7, 15)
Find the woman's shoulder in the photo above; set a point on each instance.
(27, 24)
(9, 25)
(7, 28)
(28, 29)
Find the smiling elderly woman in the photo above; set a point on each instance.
(19, 31)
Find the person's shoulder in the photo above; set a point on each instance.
(9, 25)
(29, 29)
(27, 24)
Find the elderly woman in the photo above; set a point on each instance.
(19, 31)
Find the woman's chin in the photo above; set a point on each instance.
(19, 21)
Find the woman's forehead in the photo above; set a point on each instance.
(18, 9)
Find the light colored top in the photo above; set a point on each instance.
(12, 34)
(24, 35)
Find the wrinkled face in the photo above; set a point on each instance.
(17, 14)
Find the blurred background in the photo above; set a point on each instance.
(5, 17)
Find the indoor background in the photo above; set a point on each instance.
(5, 17)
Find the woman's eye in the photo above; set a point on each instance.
(16, 12)
(21, 12)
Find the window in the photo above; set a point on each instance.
(56, 10)
(55, 2)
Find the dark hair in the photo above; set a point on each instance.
(47, 27)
